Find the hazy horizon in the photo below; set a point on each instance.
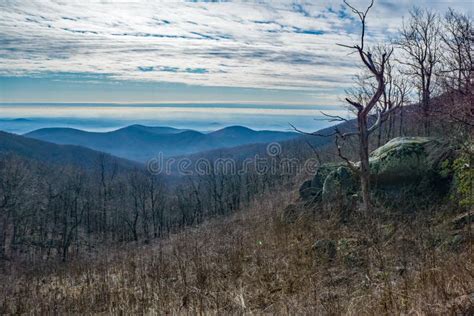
(197, 116)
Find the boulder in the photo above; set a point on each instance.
(322, 173)
(339, 185)
(405, 160)
(408, 170)
(339, 192)
(311, 190)
(404, 167)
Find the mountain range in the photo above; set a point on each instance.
(57, 154)
(141, 143)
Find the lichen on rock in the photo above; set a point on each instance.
(403, 168)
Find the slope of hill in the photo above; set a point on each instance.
(140, 143)
(253, 261)
(53, 153)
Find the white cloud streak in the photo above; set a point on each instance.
(266, 45)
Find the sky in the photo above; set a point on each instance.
(265, 54)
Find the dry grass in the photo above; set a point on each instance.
(253, 262)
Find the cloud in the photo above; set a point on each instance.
(276, 45)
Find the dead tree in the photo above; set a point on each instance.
(394, 95)
(363, 105)
(363, 109)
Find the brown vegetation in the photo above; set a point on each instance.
(255, 262)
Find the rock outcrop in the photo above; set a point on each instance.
(404, 167)
(339, 184)
(406, 160)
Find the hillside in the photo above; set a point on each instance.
(243, 244)
(56, 154)
(253, 262)
(141, 143)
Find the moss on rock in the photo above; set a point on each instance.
(400, 161)
(339, 184)
(413, 170)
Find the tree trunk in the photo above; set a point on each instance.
(364, 161)
(401, 133)
(426, 105)
(379, 136)
(390, 127)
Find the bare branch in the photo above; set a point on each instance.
(313, 133)
(357, 105)
(334, 118)
(377, 122)
(349, 163)
(348, 46)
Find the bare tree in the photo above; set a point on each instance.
(156, 196)
(420, 41)
(376, 67)
(107, 170)
(13, 186)
(402, 91)
(394, 95)
(458, 43)
(72, 205)
(363, 100)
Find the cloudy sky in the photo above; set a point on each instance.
(277, 53)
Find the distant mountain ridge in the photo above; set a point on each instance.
(57, 154)
(20, 119)
(140, 143)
